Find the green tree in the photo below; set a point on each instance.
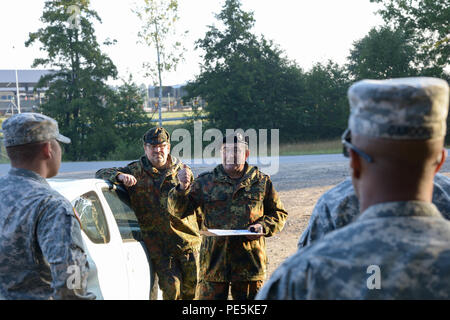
(159, 18)
(131, 121)
(382, 53)
(428, 22)
(77, 94)
(245, 79)
(325, 101)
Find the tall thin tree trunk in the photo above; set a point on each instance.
(159, 75)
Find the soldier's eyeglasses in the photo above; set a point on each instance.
(237, 150)
(346, 142)
(156, 146)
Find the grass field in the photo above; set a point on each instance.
(313, 147)
(287, 149)
(172, 114)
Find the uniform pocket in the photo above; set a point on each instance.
(254, 206)
(215, 211)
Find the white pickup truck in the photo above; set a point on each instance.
(120, 267)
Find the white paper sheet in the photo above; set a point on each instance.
(228, 233)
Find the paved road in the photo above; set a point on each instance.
(294, 172)
(89, 168)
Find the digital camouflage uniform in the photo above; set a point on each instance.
(409, 241)
(225, 204)
(393, 250)
(339, 206)
(41, 249)
(173, 243)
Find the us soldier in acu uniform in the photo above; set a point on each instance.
(399, 247)
(173, 243)
(235, 195)
(339, 206)
(41, 249)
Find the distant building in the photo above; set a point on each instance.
(30, 100)
(172, 97)
(27, 80)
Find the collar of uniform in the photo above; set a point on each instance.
(401, 209)
(27, 174)
(147, 165)
(221, 175)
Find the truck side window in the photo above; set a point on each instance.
(93, 221)
(126, 219)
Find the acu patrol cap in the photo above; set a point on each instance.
(156, 136)
(25, 128)
(402, 109)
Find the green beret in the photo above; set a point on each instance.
(156, 136)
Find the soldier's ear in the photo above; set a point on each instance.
(442, 159)
(355, 164)
(46, 150)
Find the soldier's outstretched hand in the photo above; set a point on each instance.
(257, 228)
(127, 179)
(184, 176)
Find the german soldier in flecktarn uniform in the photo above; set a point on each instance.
(41, 249)
(398, 247)
(235, 195)
(173, 243)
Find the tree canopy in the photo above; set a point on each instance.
(383, 53)
(428, 23)
(77, 95)
(249, 83)
(246, 80)
(158, 31)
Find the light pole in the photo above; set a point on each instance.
(17, 87)
(17, 93)
(168, 107)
